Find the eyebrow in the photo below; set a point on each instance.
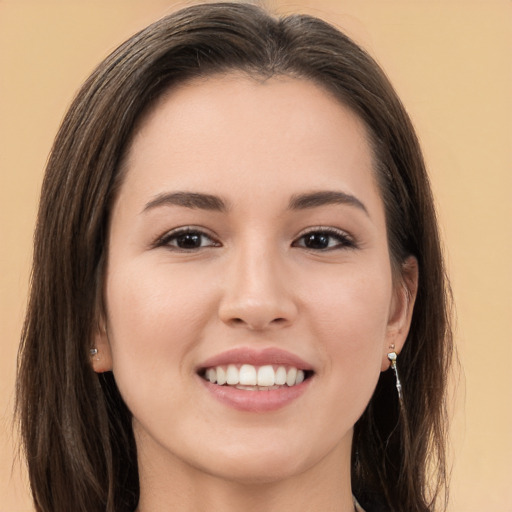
(324, 197)
(196, 200)
(192, 200)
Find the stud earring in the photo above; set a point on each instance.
(392, 356)
(93, 351)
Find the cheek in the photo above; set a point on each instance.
(350, 302)
(151, 296)
(155, 318)
(350, 314)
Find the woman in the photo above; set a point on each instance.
(236, 241)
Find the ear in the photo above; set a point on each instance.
(400, 313)
(102, 359)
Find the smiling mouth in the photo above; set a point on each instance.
(255, 378)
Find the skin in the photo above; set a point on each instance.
(252, 283)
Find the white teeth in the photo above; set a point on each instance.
(280, 376)
(291, 376)
(211, 375)
(221, 376)
(232, 375)
(266, 376)
(249, 377)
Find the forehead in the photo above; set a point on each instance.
(249, 134)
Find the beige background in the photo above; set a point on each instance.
(450, 62)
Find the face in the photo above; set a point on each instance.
(248, 244)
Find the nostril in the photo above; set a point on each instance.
(256, 311)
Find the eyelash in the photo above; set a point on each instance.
(167, 238)
(344, 240)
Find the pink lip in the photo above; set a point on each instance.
(256, 401)
(256, 358)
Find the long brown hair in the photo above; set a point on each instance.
(75, 427)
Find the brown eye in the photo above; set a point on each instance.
(317, 240)
(187, 240)
(324, 240)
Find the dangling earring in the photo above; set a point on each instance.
(93, 352)
(392, 356)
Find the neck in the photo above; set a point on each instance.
(173, 485)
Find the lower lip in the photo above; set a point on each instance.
(256, 401)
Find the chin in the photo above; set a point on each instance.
(258, 470)
(263, 462)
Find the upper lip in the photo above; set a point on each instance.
(261, 357)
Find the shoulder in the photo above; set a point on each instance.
(358, 507)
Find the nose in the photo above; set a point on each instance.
(257, 293)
